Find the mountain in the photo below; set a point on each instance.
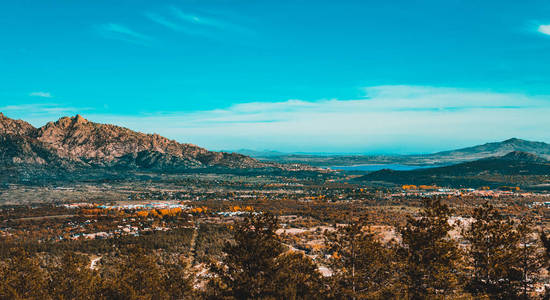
(514, 168)
(79, 139)
(493, 149)
(15, 127)
(440, 158)
(75, 145)
(18, 144)
(256, 153)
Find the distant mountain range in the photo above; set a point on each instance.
(75, 149)
(445, 157)
(257, 153)
(73, 145)
(492, 149)
(514, 168)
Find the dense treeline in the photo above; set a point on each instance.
(494, 257)
(174, 240)
(137, 276)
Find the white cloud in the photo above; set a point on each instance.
(41, 94)
(400, 119)
(123, 33)
(39, 114)
(394, 118)
(205, 21)
(163, 21)
(203, 25)
(544, 29)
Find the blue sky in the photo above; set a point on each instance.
(312, 76)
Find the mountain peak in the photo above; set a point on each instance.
(76, 142)
(11, 126)
(513, 141)
(78, 139)
(70, 121)
(79, 119)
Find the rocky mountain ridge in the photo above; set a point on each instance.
(79, 139)
(76, 144)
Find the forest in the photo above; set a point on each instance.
(497, 258)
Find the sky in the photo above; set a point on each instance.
(294, 76)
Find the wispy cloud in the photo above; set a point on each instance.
(41, 108)
(208, 21)
(123, 33)
(41, 94)
(40, 113)
(397, 118)
(163, 21)
(196, 24)
(387, 118)
(544, 29)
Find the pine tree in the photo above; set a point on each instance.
(137, 276)
(430, 256)
(361, 264)
(248, 269)
(177, 279)
(297, 277)
(255, 266)
(22, 277)
(545, 239)
(530, 257)
(503, 255)
(73, 279)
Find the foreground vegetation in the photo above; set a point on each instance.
(495, 258)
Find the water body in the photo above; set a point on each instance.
(377, 167)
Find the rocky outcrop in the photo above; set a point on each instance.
(15, 127)
(74, 145)
(79, 139)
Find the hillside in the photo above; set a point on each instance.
(513, 168)
(445, 157)
(74, 145)
(493, 149)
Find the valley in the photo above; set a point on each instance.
(105, 192)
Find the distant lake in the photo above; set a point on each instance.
(377, 167)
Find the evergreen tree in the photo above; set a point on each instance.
(248, 269)
(545, 239)
(297, 278)
(531, 259)
(255, 266)
(137, 276)
(361, 265)
(431, 258)
(73, 279)
(496, 255)
(22, 277)
(177, 279)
